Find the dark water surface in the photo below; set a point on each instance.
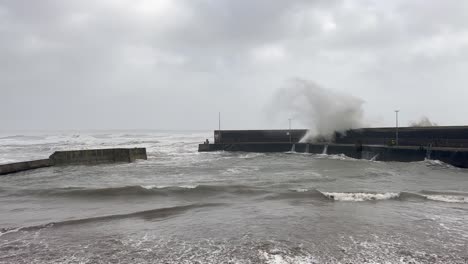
(181, 206)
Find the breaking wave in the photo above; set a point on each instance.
(450, 197)
(360, 196)
(403, 196)
(147, 190)
(335, 196)
(436, 164)
(278, 192)
(297, 194)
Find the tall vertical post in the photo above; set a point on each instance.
(219, 126)
(396, 127)
(290, 139)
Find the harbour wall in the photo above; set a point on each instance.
(455, 156)
(78, 157)
(238, 136)
(437, 136)
(95, 156)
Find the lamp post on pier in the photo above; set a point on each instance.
(396, 127)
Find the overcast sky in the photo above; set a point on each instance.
(162, 64)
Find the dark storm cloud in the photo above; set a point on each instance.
(175, 64)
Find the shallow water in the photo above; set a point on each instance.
(181, 206)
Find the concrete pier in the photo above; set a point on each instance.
(446, 143)
(437, 136)
(78, 157)
(95, 156)
(23, 166)
(455, 156)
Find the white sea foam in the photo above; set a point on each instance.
(361, 196)
(239, 170)
(251, 155)
(10, 231)
(333, 156)
(234, 171)
(189, 186)
(151, 187)
(279, 258)
(448, 198)
(437, 163)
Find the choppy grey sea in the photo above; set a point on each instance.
(181, 206)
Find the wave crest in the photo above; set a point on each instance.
(360, 196)
(223, 191)
(448, 198)
(147, 190)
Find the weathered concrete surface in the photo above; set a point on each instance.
(95, 156)
(78, 157)
(455, 156)
(258, 136)
(23, 166)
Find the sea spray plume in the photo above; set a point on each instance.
(323, 111)
(424, 121)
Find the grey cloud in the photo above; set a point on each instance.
(79, 64)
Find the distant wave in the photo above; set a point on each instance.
(160, 213)
(403, 196)
(371, 196)
(297, 194)
(147, 190)
(448, 197)
(136, 142)
(22, 137)
(335, 196)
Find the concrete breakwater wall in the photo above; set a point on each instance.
(22, 166)
(437, 136)
(455, 156)
(78, 157)
(94, 156)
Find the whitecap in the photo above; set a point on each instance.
(149, 187)
(152, 186)
(13, 230)
(360, 196)
(448, 198)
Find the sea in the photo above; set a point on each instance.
(182, 206)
